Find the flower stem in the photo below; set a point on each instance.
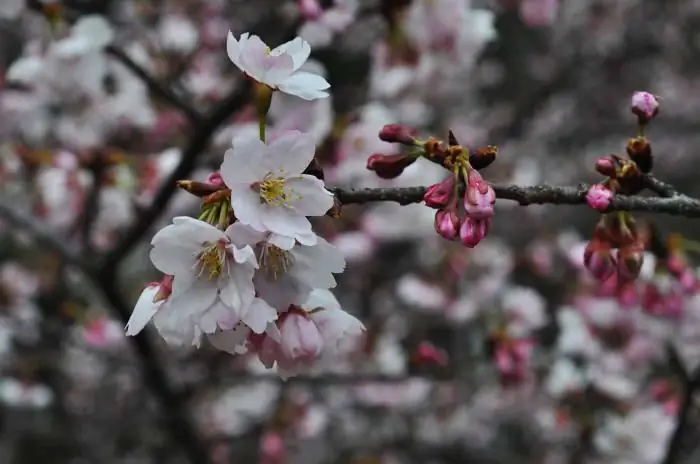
(261, 127)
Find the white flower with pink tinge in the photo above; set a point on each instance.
(269, 191)
(278, 68)
(306, 336)
(288, 271)
(212, 284)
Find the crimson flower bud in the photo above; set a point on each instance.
(447, 224)
(629, 262)
(605, 166)
(439, 195)
(645, 106)
(397, 133)
(479, 197)
(599, 197)
(473, 231)
(389, 166)
(599, 260)
(426, 354)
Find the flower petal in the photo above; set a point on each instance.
(230, 341)
(233, 49)
(143, 311)
(247, 208)
(313, 198)
(292, 152)
(284, 221)
(258, 315)
(305, 85)
(242, 162)
(297, 48)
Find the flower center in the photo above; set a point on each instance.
(274, 261)
(211, 260)
(273, 191)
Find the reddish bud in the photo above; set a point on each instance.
(397, 133)
(629, 262)
(447, 224)
(439, 195)
(165, 288)
(479, 197)
(645, 106)
(599, 197)
(599, 261)
(389, 166)
(605, 166)
(483, 157)
(473, 231)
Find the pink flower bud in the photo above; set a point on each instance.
(272, 448)
(215, 179)
(300, 339)
(310, 9)
(605, 166)
(645, 106)
(389, 166)
(397, 133)
(629, 262)
(447, 224)
(165, 288)
(473, 231)
(599, 197)
(599, 261)
(479, 197)
(439, 195)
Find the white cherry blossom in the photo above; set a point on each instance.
(269, 191)
(212, 284)
(288, 271)
(278, 68)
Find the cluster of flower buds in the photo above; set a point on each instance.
(617, 247)
(464, 187)
(512, 357)
(392, 166)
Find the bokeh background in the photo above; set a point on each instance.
(87, 144)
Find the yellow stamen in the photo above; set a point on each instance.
(211, 261)
(274, 261)
(273, 191)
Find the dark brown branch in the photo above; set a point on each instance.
(154, 86)
(678, 205)
(661, 188)
(153, 374)
(691, 386)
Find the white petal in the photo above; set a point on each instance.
(313, 198)
(298, 49)
(282, 242)
(143, 311)
(258, 315)
(292, 152)
(230, 341)
(233, 49)
(197, 299)
(305, 85)
(241, 234)
(247, 208)
(245, 255)
(238, 291)
(242, 162)
(284, 221)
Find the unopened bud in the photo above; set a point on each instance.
(629, 262)
(473, 231)
(483, 157)
(479, 196)
(645, 106)
(599, 197)
(439, 195)
(599, 261)
(199, 189)
(389, 166)
(397, 133)
(605, 166)
(447, 224)
(639, 151)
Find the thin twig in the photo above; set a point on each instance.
(661, 188)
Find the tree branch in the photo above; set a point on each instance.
(692, 384)
(678, 205)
